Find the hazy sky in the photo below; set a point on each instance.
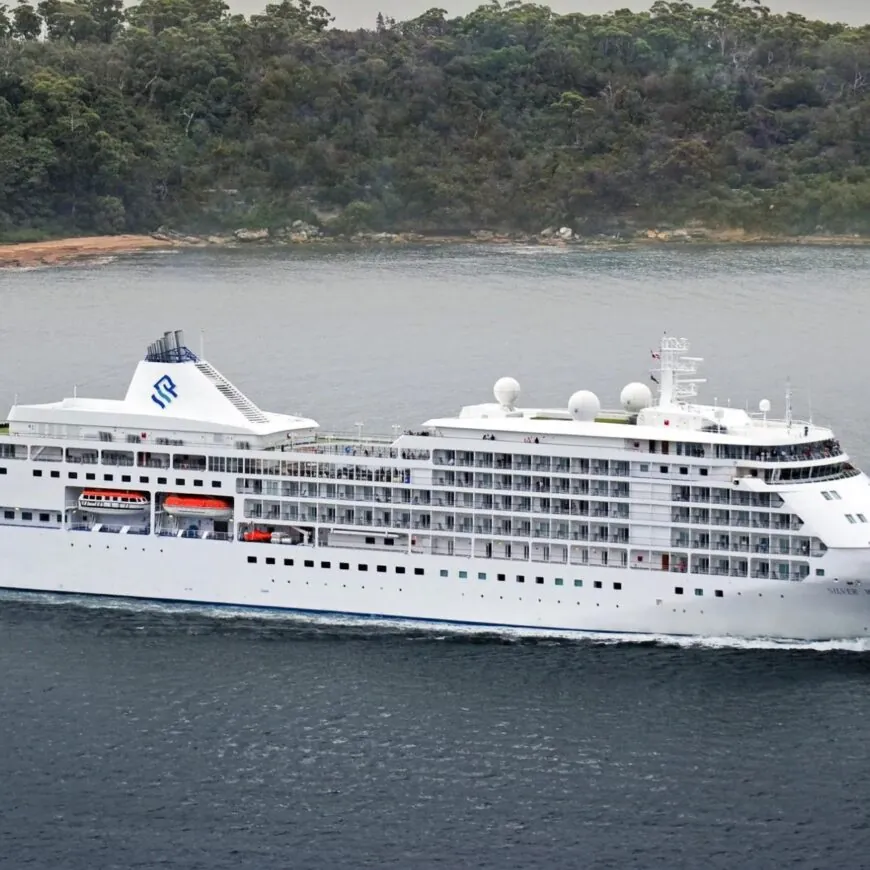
(361, 13)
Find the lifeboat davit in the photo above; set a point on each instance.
(198, 506)
(113, 501)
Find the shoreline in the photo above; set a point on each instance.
(61, 252)
(67, 251)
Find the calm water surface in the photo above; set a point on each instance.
(160, 737)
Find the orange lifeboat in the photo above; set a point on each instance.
(258, 536)
(198, 506)
(111, 501)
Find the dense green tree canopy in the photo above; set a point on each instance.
(509, 117)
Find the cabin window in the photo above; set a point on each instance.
(400, 569)
(161, 480)
(578, 583)
(370, 540)
(252, 560)
(125, 478)
(678, 590)
(539, 581)
(216, 484)
(820, 572)
(194, 463)
(389, 542)
(862, 518)
(719, 593)
(521, 578)
(2, 471)
(37, 472)
(559, 581)
(309, 563)
(683, 469)
(55, 474)
(108, 477)
(419, 572)
(826, 496)
(288, 562)
(463, 575)
(617, 585)
(26, 515)
(270, 560)
(363, 567)
(197, 483)
(481, 575)
(344, 566)
(10, 515)
(663, 469)
(382, 569)
(73, 475)
(500, 578)
(702, 472)
(143, 480)
(835, 494)
(850, 518)
(179, 481)
(644, 466)
(597, 584)
(90, 476)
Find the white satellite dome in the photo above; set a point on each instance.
(506, 392)
(764, 406)
(635, 397)
(584, 406)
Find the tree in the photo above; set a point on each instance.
(26, 24)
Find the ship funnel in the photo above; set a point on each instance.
(169, 348)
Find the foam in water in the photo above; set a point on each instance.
(438, 630)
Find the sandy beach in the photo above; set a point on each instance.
(61, 251)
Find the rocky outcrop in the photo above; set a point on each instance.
(246, 235)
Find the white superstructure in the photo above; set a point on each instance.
(662, 517)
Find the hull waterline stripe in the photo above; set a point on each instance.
(302, 611)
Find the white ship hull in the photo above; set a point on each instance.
(218, 573)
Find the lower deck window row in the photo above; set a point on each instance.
(125, 478)
(27, 516)
(463, 575)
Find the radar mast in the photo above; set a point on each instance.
(675, 369)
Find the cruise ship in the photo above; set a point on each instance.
(661, 517)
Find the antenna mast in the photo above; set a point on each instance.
(788, 417)
(674, 386)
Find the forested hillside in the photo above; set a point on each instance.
(512, 117)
